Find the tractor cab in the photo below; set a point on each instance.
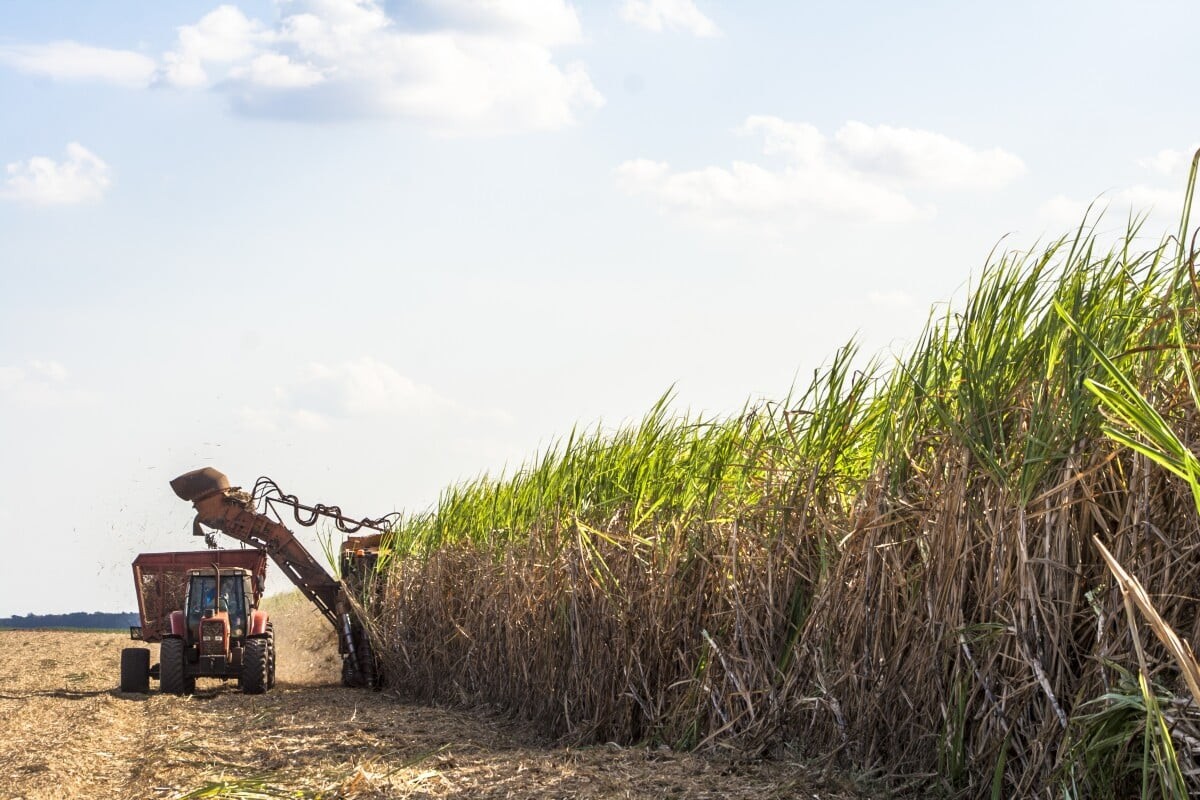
(220, 595)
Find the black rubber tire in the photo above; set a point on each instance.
(171, 675)
(135, 670)
(270, 655)
(254, 666)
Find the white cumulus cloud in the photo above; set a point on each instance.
(861, 173)
(324, 394)
(81, 177)
(923, 157)
(454, 66)
(72, 61)
(480, 67)
(327, 396)
(546, 22)
(1160, 205)
(1169, 162)
(222, 37)
(673, 15)
(358, 387)
(277, 71)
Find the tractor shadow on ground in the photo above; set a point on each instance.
(202, 694)
(70, 694)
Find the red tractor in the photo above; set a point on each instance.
(202, 607)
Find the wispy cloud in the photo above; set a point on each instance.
(72, 61)
(924, 158)
(669, 15)
(1158, 196)
(359, 387)
(38, 383)
(325, 395)
(81, 177)
(861, 173)
(474, 68)
(1168, 161)
(51, 371)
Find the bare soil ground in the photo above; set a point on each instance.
(68, 733)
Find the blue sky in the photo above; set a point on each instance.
(370, 248)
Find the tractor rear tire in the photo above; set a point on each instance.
(135, 670)
(172, 674)
(255, 666)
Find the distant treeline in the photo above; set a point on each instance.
(77, 619)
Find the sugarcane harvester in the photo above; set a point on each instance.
(232, 512)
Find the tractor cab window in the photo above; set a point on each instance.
(232, 599)
(204, 595)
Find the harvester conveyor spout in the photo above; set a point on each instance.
(232, 512)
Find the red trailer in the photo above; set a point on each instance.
(203, 609)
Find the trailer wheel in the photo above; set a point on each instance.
(172, 677)
(255, 666)
(270, 655)
(135, 670)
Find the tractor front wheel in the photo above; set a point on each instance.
(172, 670)
(255, 666)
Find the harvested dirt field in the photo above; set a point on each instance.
(68, 733)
